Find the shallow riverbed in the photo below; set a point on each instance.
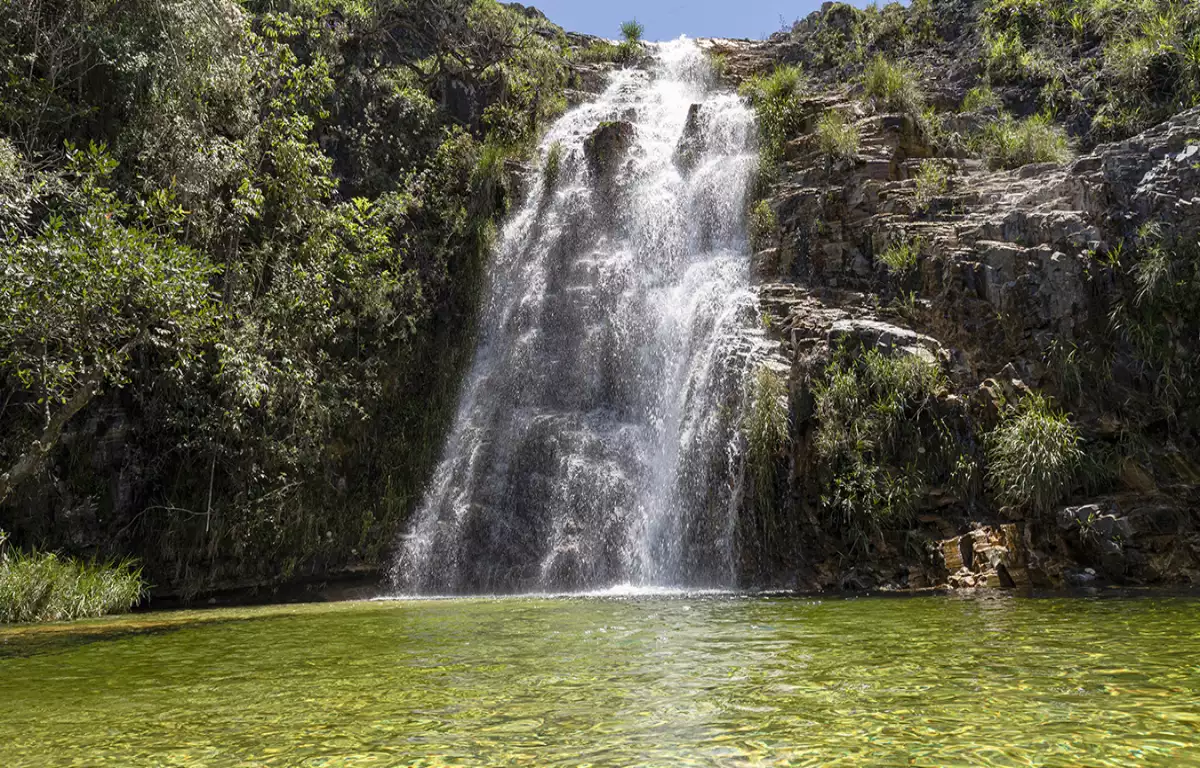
(712, 680)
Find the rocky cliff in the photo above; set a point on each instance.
(989, 354)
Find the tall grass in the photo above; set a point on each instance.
(44, 587)
(767, 433)
(932, 181)
(979, 98)
(1034, 455)
(901, 256)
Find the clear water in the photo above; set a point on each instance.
(594, 442)
(614, 681)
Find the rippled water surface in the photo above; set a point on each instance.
(614, 681)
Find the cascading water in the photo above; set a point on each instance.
(594, 440)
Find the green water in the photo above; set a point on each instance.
(715, 681)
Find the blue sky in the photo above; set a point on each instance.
(668, 19)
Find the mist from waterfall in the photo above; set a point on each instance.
(595, 438)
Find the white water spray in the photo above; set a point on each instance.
(593, 441)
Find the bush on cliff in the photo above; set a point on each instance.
(893, 86)
(837, 136)
(775, 98)
(879, 436)
(1033, 455)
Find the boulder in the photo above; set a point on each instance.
(607, 145)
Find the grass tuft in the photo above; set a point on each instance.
(979, 98)
(1033, 455)
(932, 182)
(837, 136)
(901, 257)
(894, 86)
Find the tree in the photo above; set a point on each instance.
(81, 296)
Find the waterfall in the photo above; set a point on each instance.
(595, 435)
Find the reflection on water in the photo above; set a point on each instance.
(712, 680)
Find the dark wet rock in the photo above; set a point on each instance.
(607, 146)
(691, 144)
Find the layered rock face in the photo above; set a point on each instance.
(1023, 283)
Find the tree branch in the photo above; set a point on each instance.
(32, 460)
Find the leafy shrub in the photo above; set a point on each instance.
(837, 136)
(878, 437)
(932, 181)
(893, 86)
(44, 587)
(1033, 455)
(901, 257)
(1011, 143)
(763, 225)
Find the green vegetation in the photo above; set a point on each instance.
(932, 181)
(979, 98)
(553, 165)
(767, 434)
(1161, 324)
(43, 587)
(893, 86)
(1129, 63)
(1006, 59)
(628, 51)
(775, 98)
(875, 416)
(719, 63)
(837, 136)
(255, 239)
(901, 256)
(1011, 143)
(763, 225)
(1033, 455)
(844, 36)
